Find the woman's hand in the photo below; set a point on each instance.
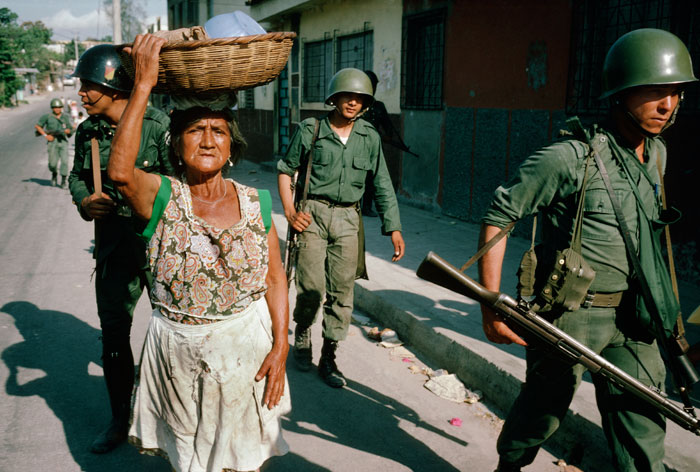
(274, 367)
(145, 53)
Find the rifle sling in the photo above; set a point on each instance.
(643, 283)
(486, 247)
(310, 159)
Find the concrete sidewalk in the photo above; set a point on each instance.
(446, 327)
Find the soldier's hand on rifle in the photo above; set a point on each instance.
(399, 245)
(49, 137)
(496, 329)
(98, 206)
(299, 220)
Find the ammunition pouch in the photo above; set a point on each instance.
(566, 287)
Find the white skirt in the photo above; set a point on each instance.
(197, 402)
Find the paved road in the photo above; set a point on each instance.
(52, 399)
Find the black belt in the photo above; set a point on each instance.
(331, 203)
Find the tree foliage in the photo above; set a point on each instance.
(21, 45)
(133, 13)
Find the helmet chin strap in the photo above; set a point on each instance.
(355, 118)
(92, 104)
(617, 103)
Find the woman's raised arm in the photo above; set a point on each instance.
(138, 187)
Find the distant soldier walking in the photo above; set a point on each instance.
(56, 127)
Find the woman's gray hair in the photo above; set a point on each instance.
(182, 119)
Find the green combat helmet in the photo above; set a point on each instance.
(352, 81)
(100, 64)
(56, 103)
(646, 56)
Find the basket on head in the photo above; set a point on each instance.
(219, 64)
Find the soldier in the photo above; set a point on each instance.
(345, 151)
(121, 268)
(56, 128)
(643, 77)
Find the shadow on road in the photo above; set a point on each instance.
(62, 346)
(42, 182)
(360, 418)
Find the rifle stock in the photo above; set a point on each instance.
(438, 271)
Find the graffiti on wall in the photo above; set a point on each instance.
(386, 75)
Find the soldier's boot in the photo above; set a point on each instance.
(327, 368)
(118, 369)
(64, 182)
(302, 348)
(507, 467)
(53, 179)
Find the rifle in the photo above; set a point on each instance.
(291, 249)
(438, 271)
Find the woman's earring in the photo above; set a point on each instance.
(230, 162)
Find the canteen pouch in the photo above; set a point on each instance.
(567, 284)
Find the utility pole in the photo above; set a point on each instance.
(75, 43)
(117, 15)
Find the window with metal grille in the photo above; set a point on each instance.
(423, 60)
(192, 12)
(246, 99)
(355, 50)
(318, 69)
(597, 25)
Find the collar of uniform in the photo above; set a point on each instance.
(325, 130)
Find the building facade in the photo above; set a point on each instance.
(473, 87)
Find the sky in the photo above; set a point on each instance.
(81, 18)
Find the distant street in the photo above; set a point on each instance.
(52, 398)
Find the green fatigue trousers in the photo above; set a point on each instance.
(58, 152)
(635, 431)
(326, 262)
(119, 283)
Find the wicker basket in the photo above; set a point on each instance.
(219, 64)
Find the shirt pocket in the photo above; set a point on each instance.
(600, 222)
(320, 166)
(148, 157)
(361, 164)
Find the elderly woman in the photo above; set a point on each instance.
(212, 382)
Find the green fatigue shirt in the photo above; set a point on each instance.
(339, 170)
(56, 126)
(549, 182)
(152, 157)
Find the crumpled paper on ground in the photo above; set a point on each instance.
(449, 387)
(387, 337)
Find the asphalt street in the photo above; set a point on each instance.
(52, 398)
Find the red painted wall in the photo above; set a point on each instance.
(492, 44)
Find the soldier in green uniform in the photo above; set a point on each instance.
(346, 150)
(121, 272)
(643, 77)
(56, 128)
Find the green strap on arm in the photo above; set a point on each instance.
(162, 198)
(266, 208)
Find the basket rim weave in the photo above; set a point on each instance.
(198, 43)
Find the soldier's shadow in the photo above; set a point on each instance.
(62, 347)
(42, 182)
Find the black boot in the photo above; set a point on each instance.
(302, 348)
(507, 467)
(326, 366)
(64, 182)
(54, 182)
(118, 366)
